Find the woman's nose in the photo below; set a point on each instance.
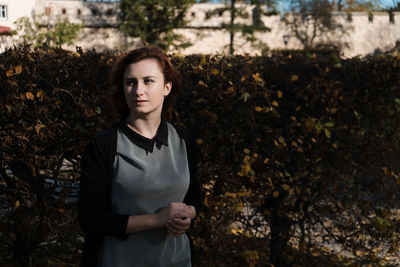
(139, 88)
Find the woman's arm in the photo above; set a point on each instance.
(94, 211)
(174, 212)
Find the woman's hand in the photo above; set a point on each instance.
(176, 217)
(178, 226)
(173, 210)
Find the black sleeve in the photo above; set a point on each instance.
(193, 196)
(94, 204)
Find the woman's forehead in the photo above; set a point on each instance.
(145, 67)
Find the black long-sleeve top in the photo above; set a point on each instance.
(94, 205)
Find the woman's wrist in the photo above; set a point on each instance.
(138, 223)
(192, 212)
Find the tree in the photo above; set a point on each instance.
(247, 30)
(62, 32)
(154, 21)
(312, 20)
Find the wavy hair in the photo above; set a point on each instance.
(117, 95)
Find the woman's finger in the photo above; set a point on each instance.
(177, 227)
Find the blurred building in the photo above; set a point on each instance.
(100, 32)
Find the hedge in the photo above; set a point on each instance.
(299, 155)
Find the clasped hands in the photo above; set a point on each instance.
(177, 217)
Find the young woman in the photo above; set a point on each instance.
(138, 187)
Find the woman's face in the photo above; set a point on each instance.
(144, 88)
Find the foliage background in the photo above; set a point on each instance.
(299, 155)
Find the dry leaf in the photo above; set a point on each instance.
(214, 71)
(29, 96)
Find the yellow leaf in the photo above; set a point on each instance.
(61, 211)
(214, 71)
(199, 141)
(229, 194)
(40, 95)
(327, 133)
(285, 187)
(230, 90)
(201, 83)
(206, 202)
(39, 125)
(275, 103)
(17, 204)
(257, 77)
(29, 96)
(276, 143)
(279, 94)
(202, 215)
(237, 231)
(242, 79)
(275, 194)
(295, 78)
(258, 109)
(202, 60)
(18, 69)
(246, 151)
(11, 72)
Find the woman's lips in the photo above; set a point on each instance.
(140, 101)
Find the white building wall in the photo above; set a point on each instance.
(101, 33)
(15, 10)
(91, 14)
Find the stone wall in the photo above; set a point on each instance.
(101, 32)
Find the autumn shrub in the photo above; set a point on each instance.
(299, 155)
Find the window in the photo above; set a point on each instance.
(64, 11)
(47, 10)
(370, 17)
(79, 12)
(109, 12)
(391, 17)
(3, 12)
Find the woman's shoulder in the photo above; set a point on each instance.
(106, 134)
(182, 132)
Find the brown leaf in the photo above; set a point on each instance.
(39, 126)
(29, 96)
(15, 71)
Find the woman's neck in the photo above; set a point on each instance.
(146, 127)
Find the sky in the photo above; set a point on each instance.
(283, 4)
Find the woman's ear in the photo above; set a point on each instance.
(167, 88)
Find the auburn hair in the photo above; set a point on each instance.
(117, 95)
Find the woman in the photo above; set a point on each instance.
(138, 189)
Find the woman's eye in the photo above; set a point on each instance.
(148, 81)
(130, 83)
